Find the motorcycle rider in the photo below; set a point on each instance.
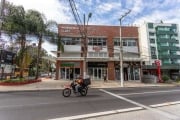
(78, 83)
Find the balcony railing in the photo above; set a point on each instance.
(166, 32)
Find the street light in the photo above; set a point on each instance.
(121, 48)
(85, 43)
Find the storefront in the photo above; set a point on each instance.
(97, 70)
(69, 70)
(130, 71)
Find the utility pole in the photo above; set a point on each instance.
(121, 48)
(85, 48)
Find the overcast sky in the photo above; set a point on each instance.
(107, 12)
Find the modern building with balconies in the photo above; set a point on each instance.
(160, 41)
(103, 52)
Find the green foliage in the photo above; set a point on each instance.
(165, 78)
(19, 22)
(178, 80)
(17, 80)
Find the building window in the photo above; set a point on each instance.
(150, 25)
(71, 41)
(152, 40)
(151, 34)
(153, 56)
(126, 42)
(97, 41)
(116, 42)
(163, 28)
(164, 36)
(153, 48)
(131, 42)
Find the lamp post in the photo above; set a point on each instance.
(85, 43)
(121, 48)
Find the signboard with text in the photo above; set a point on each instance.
(6, 57)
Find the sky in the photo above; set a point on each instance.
(107, 12)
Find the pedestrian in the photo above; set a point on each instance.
(71, 76)
(105, 78)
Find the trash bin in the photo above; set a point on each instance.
(149, 79)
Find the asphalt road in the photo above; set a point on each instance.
(43, 105)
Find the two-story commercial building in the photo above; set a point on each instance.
(103, 52)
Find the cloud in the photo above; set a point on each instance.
(106, 7)
(169, 16)
(53, 9)
(136, 6)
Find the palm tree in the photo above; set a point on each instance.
(23, 61)
(20, 23)
(39, 26)
(14, 23)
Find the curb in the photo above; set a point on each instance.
(55, 89)
(33, 90)
(19, 83)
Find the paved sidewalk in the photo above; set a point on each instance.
(50, 84)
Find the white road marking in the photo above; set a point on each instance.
(26, 105)
(165, 104)
(168, 115)
(150, 92)
(112, 112)
(97, 114)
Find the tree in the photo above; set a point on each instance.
(39, 26)
(23, 61)
(20, 23)
(14, 23)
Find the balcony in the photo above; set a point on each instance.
(169, 56)
(165, 40)
(72, 48)
(174, 48)
(165, 32)
(97, 55)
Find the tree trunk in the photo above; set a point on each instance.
(21, 64)
(59, 45)
(38, 56)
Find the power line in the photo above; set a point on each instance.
(76, 15)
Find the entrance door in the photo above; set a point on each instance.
(69, 73)
(117, 74)
(65, 73)
(97, 73)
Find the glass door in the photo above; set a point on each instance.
(97, 73)
(65, 73)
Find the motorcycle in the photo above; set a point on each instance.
(82, 89)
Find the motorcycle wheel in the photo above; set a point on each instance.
(83, 92)
(66, 92)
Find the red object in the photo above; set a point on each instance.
(97, 48)
(158, 64)
(19, 83)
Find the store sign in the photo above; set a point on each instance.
(70, 64)
(68, 29)
(6, 57)
(67, 65)
(157, 62)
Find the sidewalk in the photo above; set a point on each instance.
(50, 84)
